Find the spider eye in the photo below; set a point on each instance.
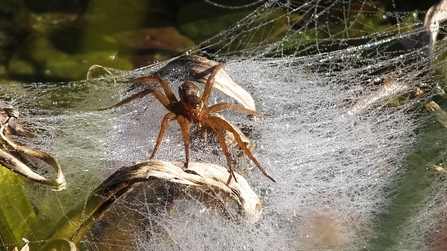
(193, 101)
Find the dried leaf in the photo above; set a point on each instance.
(13, 127)
(198, 68)
(12, 155)
(194, 68)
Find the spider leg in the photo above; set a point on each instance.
(164, 125)
(222, 106)
(209, 83)
(221, 139)
(164, 84)
(160, 96)
(184, 126)
(227, 126)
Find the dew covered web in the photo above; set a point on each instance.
(345, 130)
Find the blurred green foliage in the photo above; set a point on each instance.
(53, 40)
(59, 40)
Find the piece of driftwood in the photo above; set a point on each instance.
(14, 156)
(199, 179)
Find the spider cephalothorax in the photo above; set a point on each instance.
(191, 108)
(190, 105)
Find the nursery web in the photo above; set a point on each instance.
(346, 121)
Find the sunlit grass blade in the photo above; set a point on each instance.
(17, 216)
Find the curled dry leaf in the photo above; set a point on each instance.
(13, 126)
(14, 156)
(192, 67)
(200, 179)
(198, 69)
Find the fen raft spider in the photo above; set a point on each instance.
(192, 109)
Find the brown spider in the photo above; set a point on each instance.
(192, 109)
